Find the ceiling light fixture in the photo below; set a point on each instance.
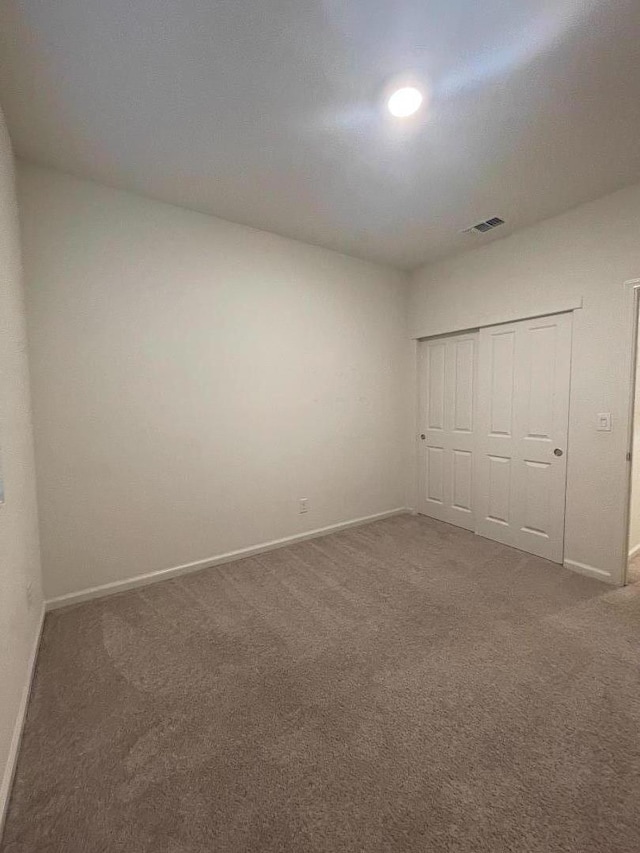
(405, 102)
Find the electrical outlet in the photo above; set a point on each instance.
(303, 505)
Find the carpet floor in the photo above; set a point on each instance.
(404, 686)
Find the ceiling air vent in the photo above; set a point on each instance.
(483, 227)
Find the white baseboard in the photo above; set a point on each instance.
(14, 748)
(590, 571)
(229, 557)
(635, 550)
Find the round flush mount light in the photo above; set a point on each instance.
(405, 102)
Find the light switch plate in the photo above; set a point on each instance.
(604, 422)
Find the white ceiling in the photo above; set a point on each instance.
(267, 112)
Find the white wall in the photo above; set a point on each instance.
(193, 379)
(19, 555)
(587, 253)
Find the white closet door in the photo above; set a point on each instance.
(523, 416)
(447, 374)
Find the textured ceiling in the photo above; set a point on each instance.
(269, 113)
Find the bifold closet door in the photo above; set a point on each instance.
(522, 426)
(447, 375)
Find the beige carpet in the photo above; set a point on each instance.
(404, 686)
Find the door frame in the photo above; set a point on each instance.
(632, 300)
